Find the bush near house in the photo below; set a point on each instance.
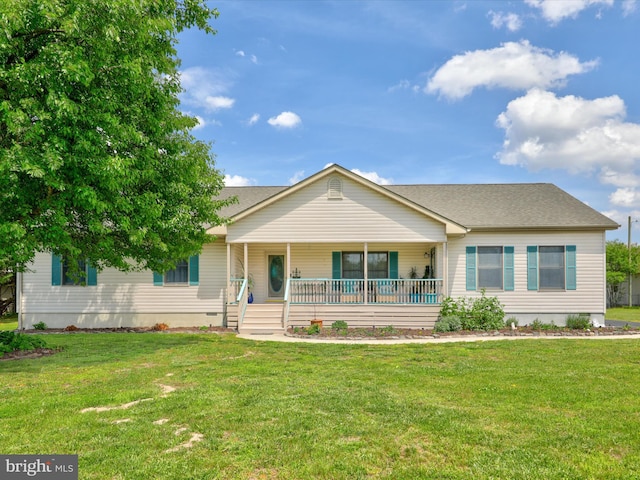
(481, 313)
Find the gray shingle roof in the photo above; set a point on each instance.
(476, 206)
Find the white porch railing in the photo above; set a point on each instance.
(242, 299)
(378, 291)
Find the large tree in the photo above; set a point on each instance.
(96, 160)
(621, 263)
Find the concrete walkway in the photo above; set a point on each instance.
(460, 339)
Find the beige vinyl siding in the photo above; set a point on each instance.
(589, 296)
(119, 297)
(313, 260)
(309, 216)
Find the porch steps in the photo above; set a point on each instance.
(262, 319)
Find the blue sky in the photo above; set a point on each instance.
(424, 92)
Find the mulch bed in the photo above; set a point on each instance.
(134, 330)
(404, 333)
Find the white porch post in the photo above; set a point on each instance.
(288, 263)
(246, 262)
(445, 268)
(366, 273)
(229, 272)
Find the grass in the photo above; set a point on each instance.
(524, 409)
(9, 322)
(624, 314)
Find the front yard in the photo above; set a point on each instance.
(165, 406)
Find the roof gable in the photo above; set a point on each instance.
(461, 207)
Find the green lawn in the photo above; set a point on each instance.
(9, 322)
(625, 314)
(526, 409)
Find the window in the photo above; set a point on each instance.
(61, 274)
(179, 275)
(551, 267)
(80, 278)
(490, 267)
(186, 272)
(353, 265)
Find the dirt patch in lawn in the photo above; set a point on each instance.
(37, 353)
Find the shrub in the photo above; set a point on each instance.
(388, 329)
(578, 322)
(511, 320)
(40, 326)
(448, 324)
(314, 329)
(481, 313)
(11, 341)
(339, 325)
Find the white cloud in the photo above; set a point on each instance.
(513, 65)
(625, 197)
(201, 122)
(373, 176)
(237, 181)
(205, 88)
(570, 133)
(254, 59)
(556, 10)
(299, 175)
(254, 119)
(628, 7)
(240, 53)
(510, 21)
(216, 103)
(285, 120)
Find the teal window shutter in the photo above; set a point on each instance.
(508, 269)
(92, 275)
(570, 266)
(471, 268)
(393, 264)
(336, 265)
(532, 267)
(158, 279)
(56, 270)
(194, 270)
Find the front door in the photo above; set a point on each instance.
(275, 265)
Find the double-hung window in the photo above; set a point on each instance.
(62, 273)
(186, 272)
(489, 267)
(551, 267)
(353, 265)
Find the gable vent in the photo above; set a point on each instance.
(334, 188)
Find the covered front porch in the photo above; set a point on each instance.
(406, 289)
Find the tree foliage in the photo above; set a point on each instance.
(619, 266)
(96, 160)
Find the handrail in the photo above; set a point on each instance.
(243, 300)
